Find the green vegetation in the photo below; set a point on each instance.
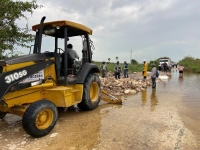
(135, 67)
(131, 67)
(11, 33)
(190, 64)
(133, 61)
(153, 62)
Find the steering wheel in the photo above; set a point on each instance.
(60, 49)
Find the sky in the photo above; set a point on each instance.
(128, 29)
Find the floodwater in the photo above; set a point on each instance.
(165, 118)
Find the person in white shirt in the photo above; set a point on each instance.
(73, 54)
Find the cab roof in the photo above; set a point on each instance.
(74, 29)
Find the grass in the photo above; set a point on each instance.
(131, 67)
(190, 64)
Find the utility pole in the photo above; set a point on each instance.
(131, 56)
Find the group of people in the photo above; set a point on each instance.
(165, 67)
(153, 73)
(117, 70)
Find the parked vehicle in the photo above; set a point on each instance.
(167, 61)
(174, 64)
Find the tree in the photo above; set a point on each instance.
(11, 33)
(133, 61)
(109, 59)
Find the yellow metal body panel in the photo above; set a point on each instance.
(50, 71)
(65, 96)
(25, 96)
(17, 66)
(65, 23)
(61, 96)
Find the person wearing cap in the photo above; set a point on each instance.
(153, 75)
(103, 69)
(145, 67)
(117, 70)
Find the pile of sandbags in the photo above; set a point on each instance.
(124, 85)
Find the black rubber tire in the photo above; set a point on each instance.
(2, 114)
(31, 118)
(90, 100)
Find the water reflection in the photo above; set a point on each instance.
(105, 108)
(154, 100)
(144, 97)
(180, 80)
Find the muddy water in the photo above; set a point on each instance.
(162, 119)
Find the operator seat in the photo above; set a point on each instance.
(70, 63)
(71, 69)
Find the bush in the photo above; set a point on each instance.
(190, 64)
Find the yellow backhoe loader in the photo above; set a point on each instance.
(35, 85)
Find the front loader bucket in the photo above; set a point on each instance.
(110, 98)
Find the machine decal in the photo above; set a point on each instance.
(12, 78)
(35, 77)
(15, 76)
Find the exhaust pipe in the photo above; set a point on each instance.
(40, 34)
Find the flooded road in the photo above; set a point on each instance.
(166, 118)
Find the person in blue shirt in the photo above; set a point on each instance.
(153, 75)
(125, 69)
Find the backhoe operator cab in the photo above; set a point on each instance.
(34, 85)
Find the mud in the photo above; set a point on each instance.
(151, 120)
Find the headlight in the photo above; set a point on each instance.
(49, 31)
(57, 27)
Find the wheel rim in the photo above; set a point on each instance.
(94, 91)
(44, 119)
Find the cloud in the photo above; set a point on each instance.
(150, 28)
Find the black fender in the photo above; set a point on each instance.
(85, 70)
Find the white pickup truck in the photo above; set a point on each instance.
(167, 61)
